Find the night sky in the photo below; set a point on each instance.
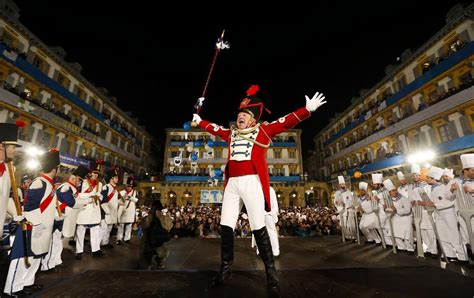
(159, 57)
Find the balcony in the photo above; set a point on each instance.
(224, 144)
(459, 144)
(51, 118)
(179, 178)
(442, 67)
(45, 80)
(451, 102)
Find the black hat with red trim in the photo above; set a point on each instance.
(9, 133)
(96, 166)
(253, 105)
(111, 174)
(131, 182)
(49, 160)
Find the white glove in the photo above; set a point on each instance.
(196, 118)
(18, 218)
(199, 102)
(134, 200)
(315, 102)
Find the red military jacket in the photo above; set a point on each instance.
(255, 145)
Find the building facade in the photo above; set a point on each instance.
(422, 111)
(194, 162)
(61, 108)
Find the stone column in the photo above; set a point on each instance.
(37, 126)
(455, 118)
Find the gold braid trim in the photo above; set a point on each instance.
(239, 133)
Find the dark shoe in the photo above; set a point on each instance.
(32, 288)
(265, 248)
(369, 242)
(119, 242)
(52, 270)
(469, 252)
(79, 256)
(227, 256)
(98, 254)
(126, 241)
(108, 246)
(72, 242)
(16, 294)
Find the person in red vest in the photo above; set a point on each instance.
(247, 179)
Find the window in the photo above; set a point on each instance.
(218, 153)
(292, 154)
(277, 154)
(444, 133)
(63, 80)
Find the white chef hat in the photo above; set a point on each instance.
(400, 176)
(415, 169)
(340, 179)
(467, 160)
(435, 172)
(376, 178)
(388, 184)
(363, 185)
(448, 172)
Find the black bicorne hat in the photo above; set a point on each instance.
(253, 105)
(81, 172)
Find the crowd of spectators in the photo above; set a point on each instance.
(203, 221)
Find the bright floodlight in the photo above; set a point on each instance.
(421, 156)
(32, 164)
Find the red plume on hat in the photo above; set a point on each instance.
(252, 104)
(20, 123)
(252, 90)
(53, 150)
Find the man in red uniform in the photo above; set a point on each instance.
(247, 179)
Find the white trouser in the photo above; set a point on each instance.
(53, 257)
(350, 224)
(370, 234)
(105, 230)
(405, 244)
(447, 226)
(429, 241)
(246, 189)
(95, 238)
(463, 228)
(128, 232)
(272, 233)
(19, 276)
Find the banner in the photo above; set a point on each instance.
(211, 196)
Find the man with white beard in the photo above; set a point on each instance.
(368, 223)
(402, 218)
(445, 216)
(415, 191)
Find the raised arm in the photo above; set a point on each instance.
(212, 128)
(291, 120)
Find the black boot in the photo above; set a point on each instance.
(265, 248)
(227, 256)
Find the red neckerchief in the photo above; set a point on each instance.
(2, 168)
(112, 194)
(48, 199)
